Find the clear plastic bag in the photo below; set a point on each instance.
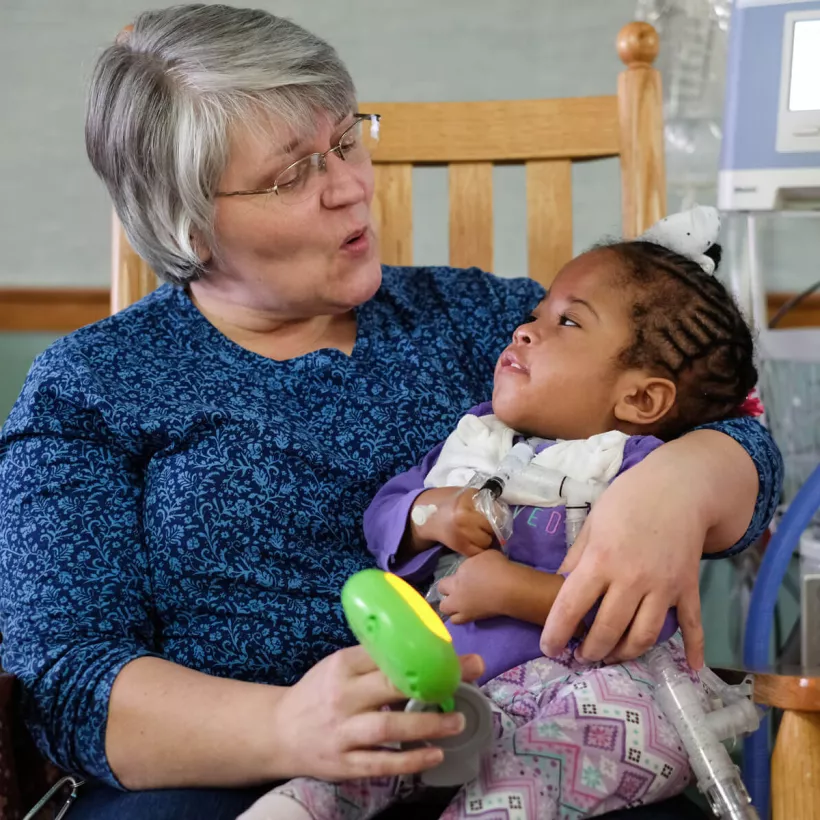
(498, 513)
(500, 516)
(692, 62)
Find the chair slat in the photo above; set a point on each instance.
(549, 218)
(471, 215)
(497, 131)
(132, 278)
(393, 212)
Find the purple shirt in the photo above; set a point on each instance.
(538, 540)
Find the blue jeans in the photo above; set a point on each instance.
(102, 803)
(97, 802)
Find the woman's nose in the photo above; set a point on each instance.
(342, 183)
(522, 335)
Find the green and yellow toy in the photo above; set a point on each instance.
(409, 643)
(403, 635)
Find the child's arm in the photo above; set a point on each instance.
(490, 584)
(534, 594)
(409, 549)
(399, 545)
(453, 521)
(387, 520)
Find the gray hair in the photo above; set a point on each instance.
(161, 103)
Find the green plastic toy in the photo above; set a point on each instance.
(403, 635)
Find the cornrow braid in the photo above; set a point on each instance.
(688, 328)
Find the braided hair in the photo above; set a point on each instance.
(688, 328)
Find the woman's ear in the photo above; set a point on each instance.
(201, 247)
(645, 400)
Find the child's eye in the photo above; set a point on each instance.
(565, 321)
(529, 319)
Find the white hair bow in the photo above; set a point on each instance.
(689, 233)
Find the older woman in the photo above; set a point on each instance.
(182, 484)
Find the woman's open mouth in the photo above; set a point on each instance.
(357, 242)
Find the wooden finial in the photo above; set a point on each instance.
(638, 44)
(640, 107)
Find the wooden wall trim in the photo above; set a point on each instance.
(58, 310)
(62, 310)
(806, 314)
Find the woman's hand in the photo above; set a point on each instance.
(641, 546)
(332, 723)
(477, 589)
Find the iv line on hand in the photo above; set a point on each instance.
(423, 513)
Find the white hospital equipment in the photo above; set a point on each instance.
(771, 141)
(770, 164)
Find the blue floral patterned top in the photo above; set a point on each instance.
(166, 492)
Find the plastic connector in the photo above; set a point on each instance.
(682, 702)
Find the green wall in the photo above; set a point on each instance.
(17, 351)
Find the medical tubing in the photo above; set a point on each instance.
(757, 640)
(716, 775)
(574, 520)
(515, 461)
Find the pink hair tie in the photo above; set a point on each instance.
(752, 406)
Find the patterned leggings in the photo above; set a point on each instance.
(571, 742)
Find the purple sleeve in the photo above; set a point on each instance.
(385, 521)
(636, 449)
(483, 409)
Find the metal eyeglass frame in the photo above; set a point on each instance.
(317, 159)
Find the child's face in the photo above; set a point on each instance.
(559, 377)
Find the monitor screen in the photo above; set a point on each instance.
(804, 90)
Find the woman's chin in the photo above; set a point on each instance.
(361, 285)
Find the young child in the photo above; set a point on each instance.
(635, 343)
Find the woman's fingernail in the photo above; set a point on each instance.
(455, 723)
(433, 756)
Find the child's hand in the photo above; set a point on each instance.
(456, 522)
(477, 589)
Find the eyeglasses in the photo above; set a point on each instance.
(299, 180)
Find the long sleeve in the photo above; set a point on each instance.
(385, 521)
(759, 444)
(74, 597)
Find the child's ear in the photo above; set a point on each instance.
(645, 400)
